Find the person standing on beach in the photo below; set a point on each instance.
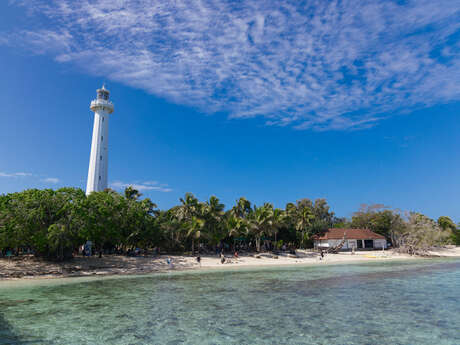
(169, 262)
(198, 259)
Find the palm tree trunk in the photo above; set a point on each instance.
(258, 243)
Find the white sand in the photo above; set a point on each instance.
(30, 267)
(303, 257)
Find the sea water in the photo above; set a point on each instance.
(410, 302)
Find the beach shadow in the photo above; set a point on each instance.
(310, 255)
(9, 337)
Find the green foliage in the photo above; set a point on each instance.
(420, 233)
(260, 222)
(453, 231)
(379, 219)
(28, 218)
(309, 218)
(53, 223)
(131, 193)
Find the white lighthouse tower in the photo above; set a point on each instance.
(99, 159)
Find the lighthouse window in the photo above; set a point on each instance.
(102, 119)
(99, 178)
(102, 138)
(100, 157)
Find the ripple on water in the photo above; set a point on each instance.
(413, 302)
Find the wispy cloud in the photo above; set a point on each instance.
(317, 64)
(52, 180)
(150, 182)
(15, 174)
(142, 186)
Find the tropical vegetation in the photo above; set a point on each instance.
(54, 223)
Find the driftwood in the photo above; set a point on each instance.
(335, 250)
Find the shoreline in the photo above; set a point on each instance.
(30, 268)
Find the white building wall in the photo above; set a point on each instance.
(380, 244)
(349, 244)
(352, 244)
(321, 243)
(334, 243)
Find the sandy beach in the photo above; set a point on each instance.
(29, 267)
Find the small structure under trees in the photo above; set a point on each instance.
(354, 238)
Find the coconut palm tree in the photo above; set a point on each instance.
(242, 209)
(301, 217)
(213, 214)
(194, 227)
(191, 213)
(235, 226)
(278, 220)
(260, 222)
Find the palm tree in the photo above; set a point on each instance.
(260, 222)
(278, 220)
(235, 226)
(191, 214)
(301, 216)
(242, 209)
(194, 227)
(131, 193)
(213, 214)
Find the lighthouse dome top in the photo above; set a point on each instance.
(103, 93)
(102, 103)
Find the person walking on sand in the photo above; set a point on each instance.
(198, 259)
(222, 258)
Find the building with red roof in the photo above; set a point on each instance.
(352, 238)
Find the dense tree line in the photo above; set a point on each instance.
(54, 224)
(410, 232)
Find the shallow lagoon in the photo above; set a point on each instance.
(398, 302)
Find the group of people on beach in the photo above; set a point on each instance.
(223, 259)
(8, 253)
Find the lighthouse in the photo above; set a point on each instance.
(99, 158)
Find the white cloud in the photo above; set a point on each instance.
(142, 186)
(23, 174)
(150, 182)
(16, 174)
(53, 180)
(321, 64)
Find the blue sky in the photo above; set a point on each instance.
(354, 101)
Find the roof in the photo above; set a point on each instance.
(350, 234)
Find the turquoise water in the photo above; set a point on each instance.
(412, 302)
